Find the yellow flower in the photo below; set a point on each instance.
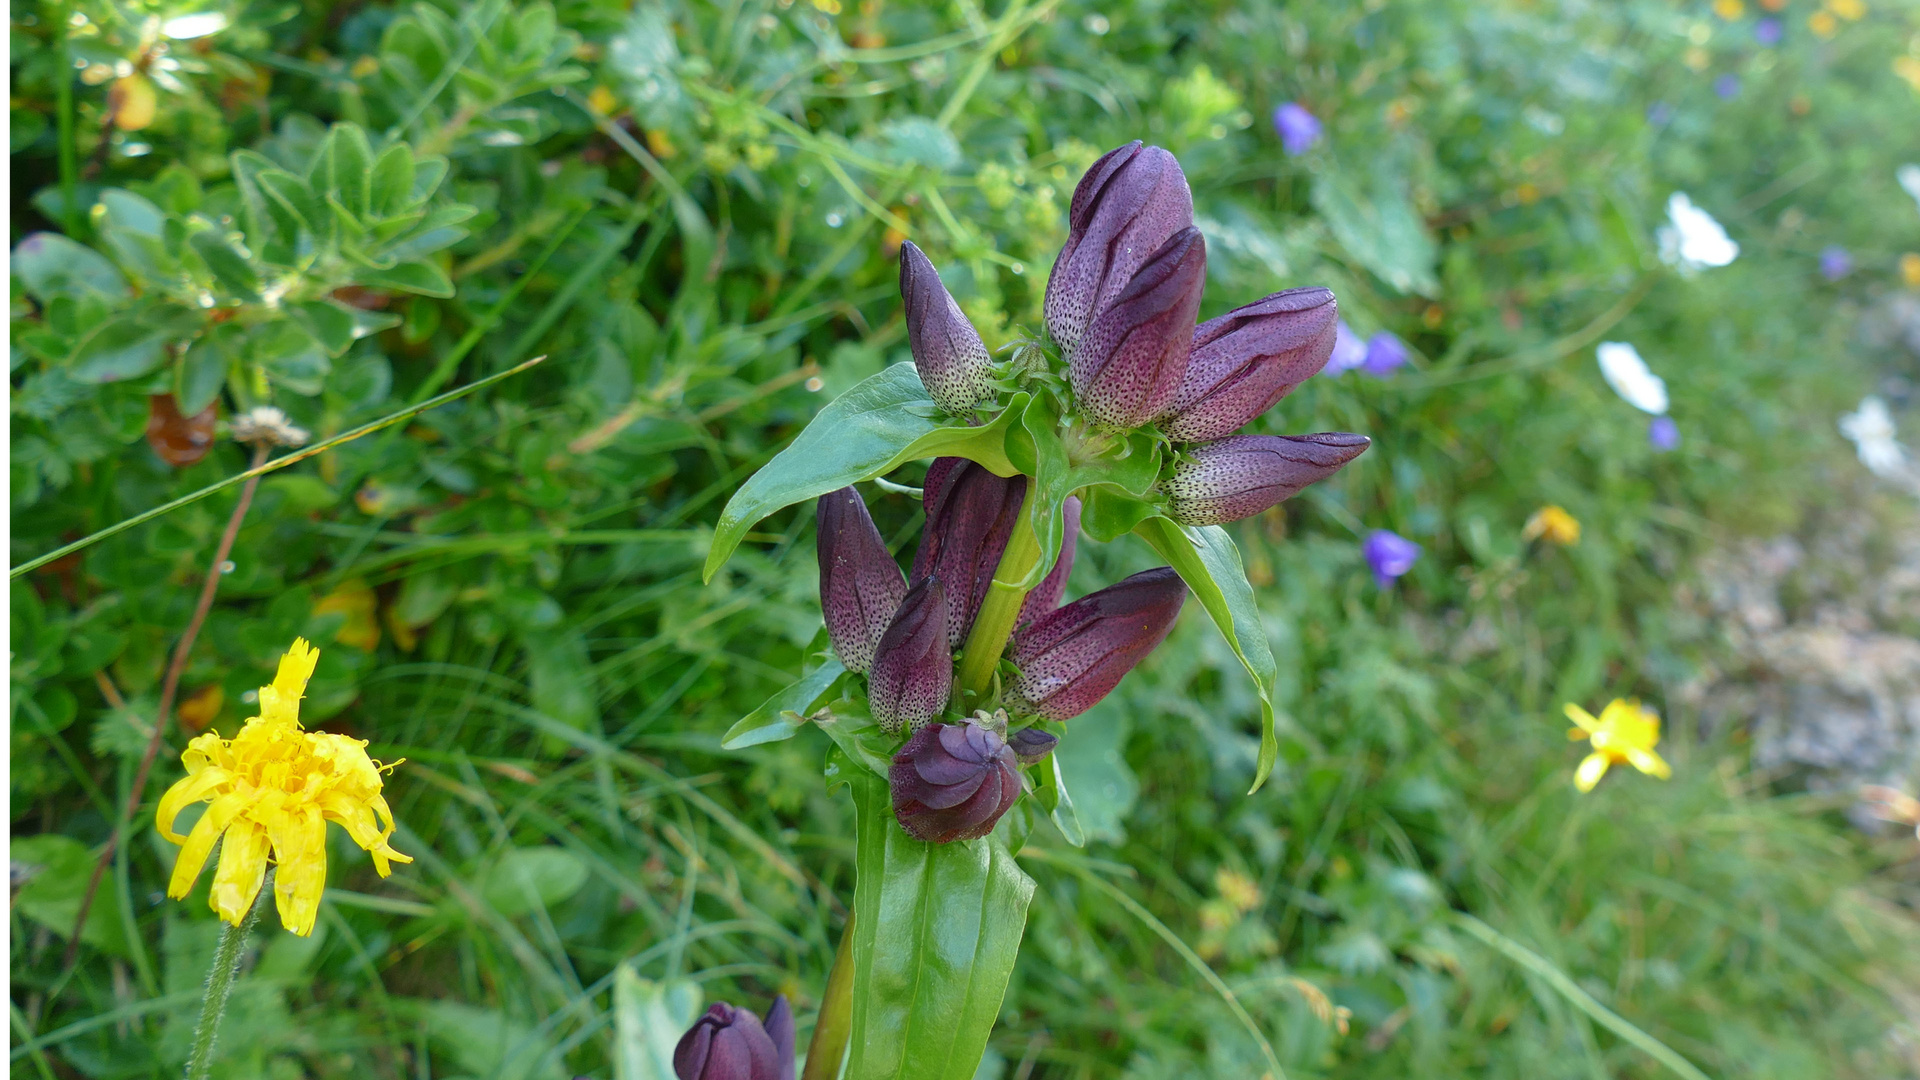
(1850, 10)
(1554, 524)
(1625, 734)
(1823, 24)
(1729, 9)
(273, 788)
(1910, 269)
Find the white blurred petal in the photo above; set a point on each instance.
(1909, 177)
(1871, 429)
(199, 24)
(1630, 377)
(1693, 240)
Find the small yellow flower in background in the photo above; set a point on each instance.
(359, 607)
(273, 788)
(1910, 269)
(1850, 10)
(1553, 524)
(1823, 24)
(1729, 9)
(1908, 68)
(1625, 734)
(603, 101)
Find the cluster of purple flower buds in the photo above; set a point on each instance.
(901, 632)
(733, 1044)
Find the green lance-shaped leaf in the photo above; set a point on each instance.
(782, 714)
(937, 928)
(882, 423)
(1205, 558)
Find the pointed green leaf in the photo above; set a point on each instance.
(343, 169)
(880, 424)
(201, 372)
(937, 928)
(414, 277)
(391, 185)
(783, 713)
(330, 324)
(51, 265)
(131, 343)
(229, 268)
(1207, 561)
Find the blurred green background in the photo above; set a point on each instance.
(694, 210)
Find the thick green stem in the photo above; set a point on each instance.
(226, 965)
(994, 624)
(828, 1048)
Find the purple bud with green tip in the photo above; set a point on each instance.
(1031, 744)
(732, 1044)
(1127, 368)
(860, 584)
(952, 360)
(970, 515)
(1242, 475)
(952, 782)
(1070, 658)
(1127, 205)
(912, 674)
(1046, 596)
(1245, 361)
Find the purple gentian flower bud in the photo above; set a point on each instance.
(970, 515)
(1663, 434)
(1298, 128)
(1127, 205)
(1727, 87)
(1385, 353)
(1245, 361)
(912, 675)
(1242, 475)
(860, 584)
(1046, 596)
(952, 782)
(1835, 262)
(1032, 744)
(947, 350)
(1129, 365)
(1768, 31)
(732, 1044)
(1349, 351)
(1070, 658)
(1389, 555)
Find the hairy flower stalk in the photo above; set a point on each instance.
(1130, 364)
(1245, 361)
(733, 1044)
(1129, 203)
(912, 675)
(947, 350)
(953, 782)
(970, 516)
(1242, 475)
(1072, 657)
(860, 585)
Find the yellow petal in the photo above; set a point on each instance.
(243, 866)
(1582, 717)
(193, 854)
(1649, 762)
(199, 787)
(1590, 772)
(300, 847)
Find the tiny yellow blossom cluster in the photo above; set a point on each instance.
(1625, 734)
(273, 788)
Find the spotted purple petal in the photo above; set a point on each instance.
(912, 674)
(1242, 475)
(952, 782)
(860, 584)
(970, 515)
(1070, 658)
(1127, 369)
(947, 350)
(1245, 361)
(1126, 206)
